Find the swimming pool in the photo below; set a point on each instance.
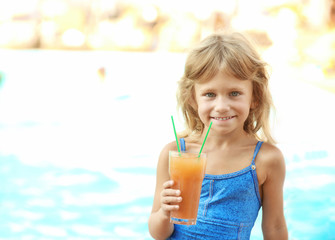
(78, 151)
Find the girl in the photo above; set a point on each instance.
(225, 83)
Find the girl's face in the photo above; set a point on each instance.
(225, 101)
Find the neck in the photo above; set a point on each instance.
(220, 141)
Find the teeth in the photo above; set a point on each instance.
(222, 119)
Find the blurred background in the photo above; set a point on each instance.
(87, 88)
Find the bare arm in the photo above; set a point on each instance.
(273, 221)
(165, 199)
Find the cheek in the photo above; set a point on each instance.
(203, 106)
(243, 107)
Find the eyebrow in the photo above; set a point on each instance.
(205, 90)
(208, 90)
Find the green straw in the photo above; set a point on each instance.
(175, 133)
(205, 139)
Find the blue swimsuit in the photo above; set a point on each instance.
(228, 207)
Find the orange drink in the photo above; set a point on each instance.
(187, 170)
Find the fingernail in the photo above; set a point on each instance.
(179, 199)
(178, 192)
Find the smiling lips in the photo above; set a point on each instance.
(223, 118)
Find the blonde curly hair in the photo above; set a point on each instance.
(235, 55)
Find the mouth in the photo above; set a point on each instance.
(223, 118)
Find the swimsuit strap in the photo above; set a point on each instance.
(182, 145)
(258, 146)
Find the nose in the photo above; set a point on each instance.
(222, 105)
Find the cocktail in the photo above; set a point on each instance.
(187, 170)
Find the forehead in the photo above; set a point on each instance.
(223, 80)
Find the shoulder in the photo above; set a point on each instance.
(171, 146)
(271, 152)
(164, 154)
(271, 159)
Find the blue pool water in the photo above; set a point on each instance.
(78, 152)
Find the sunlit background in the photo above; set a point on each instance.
(87, 88)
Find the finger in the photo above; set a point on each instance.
(171, 200)
(170, 192)
(169, 208)
(168, 184)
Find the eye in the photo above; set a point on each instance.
(210, 95)
(235, 94)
